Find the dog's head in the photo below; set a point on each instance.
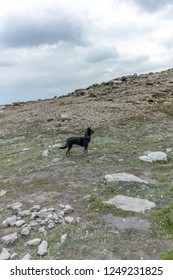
(89, 131)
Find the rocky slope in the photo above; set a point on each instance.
(132, 118)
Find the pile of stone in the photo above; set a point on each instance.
(35, 218)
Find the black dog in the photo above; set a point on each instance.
(80, 141)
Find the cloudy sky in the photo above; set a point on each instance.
(52, 47)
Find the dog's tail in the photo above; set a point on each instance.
(63, 147)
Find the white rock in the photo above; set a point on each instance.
(35, 208)
(26, 257)
(168, 150)
(2, 192)
(33, 242)
(13, 256)
(20, 223)
(42, 248)
(128, 203)
(14, 206)
(25, 231)
(63, 238)
(45, 153)
(9, 239)
(10, 221)
(51, 225)
(5, 255)
(125, 177)
(58, 145)
(24, 213)
(69, 220)
(68, 209)
(154, 156)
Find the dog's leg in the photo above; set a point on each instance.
(86, 151)
(68, 151)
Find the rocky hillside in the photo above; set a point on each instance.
(116, 203)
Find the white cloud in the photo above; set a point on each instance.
(53, 47)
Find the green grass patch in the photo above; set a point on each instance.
(167, 255)
(164, 219)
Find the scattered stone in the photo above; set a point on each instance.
(43, 230)
(168, 150)
(9, 221)
(25, 231)
(42, 248)
(33, 242)
(33, 224)
(5, 255)
(63, 238)
(122, 223)
(61, 205)
(45, 153)
(16, 205)
(41, 213)
(124, 177)
(9, 239)
(58, 145)
(20, 223)
(26, 257)
(154, 156)
(69, 219)
(24, 213)
(61, 214)
(33, 215)
(128, 203)
(2, 192)
(13, 256)
(68, 209)
(51, 225)
(35, 208)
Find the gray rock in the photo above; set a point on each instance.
(16, 205)
(35, 208)
(33, 224)
(55, 216)
(20, 223)
(69, 220)
(25, 231)
(128, 203)
(26, 257)
(5, 255)
(51, 225)
(42, 212)
(33, 215)
(33, 242)
(9, 239)
(10, 221)
(24, 213)
(61, 205)
(43, 230)
(68, 209)
(13, 256)
(154, 156)
(122, 223)
(42, 248)
(125, 177)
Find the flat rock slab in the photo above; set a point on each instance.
(154, 156)
(125, 177)
(123, 224)
(128, 203)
